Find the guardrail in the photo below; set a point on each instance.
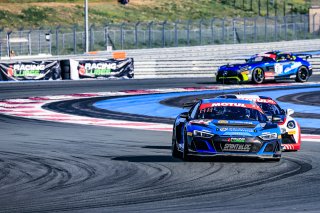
(197, 61)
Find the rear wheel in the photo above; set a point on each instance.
(258, 76)
(302, 74)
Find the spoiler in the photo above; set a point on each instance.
(190, 104)
(304, 55)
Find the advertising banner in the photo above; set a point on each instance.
(100, 69)
(35, 70)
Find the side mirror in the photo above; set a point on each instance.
(184, 115)
(289, 111)
(276, 119)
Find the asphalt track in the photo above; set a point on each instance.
(48, 166)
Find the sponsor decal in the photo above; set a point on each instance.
(208, 106)
(237, 140)
(292, 132)
(222, 121)
(189, 133)
(292, 67)
(237, 147)
(101, 68)
(35, 70)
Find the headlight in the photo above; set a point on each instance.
(268, 136)
(202, 134)
(245, 68)
(291, 125)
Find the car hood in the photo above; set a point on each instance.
(234, 66)
(231, 127)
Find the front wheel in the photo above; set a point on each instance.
(302, 74)
(174, 149)
(257, 76)
(185, 155)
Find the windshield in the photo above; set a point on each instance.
(231, 113)
(270, 109)
(260, 59)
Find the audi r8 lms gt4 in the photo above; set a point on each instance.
(228, 127)
(273, 65)
(290, 128)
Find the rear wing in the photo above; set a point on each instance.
(303, 55)
(190, 104)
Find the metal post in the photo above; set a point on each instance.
(29, 43)
(106, 36)
(0, 44)
(285, 27)
(57, 40)
(305, 26)
(275, 8)
(188, 32)
(8, 43)
(212, 31)
(200, 31)
(244, 30)
(251, 5)
(275, 28)
(265, 29)
(39, 40)
(20, 35)
(223, 39)
(136, 34)
(176, 33)
(163, 34)
(259, 7)
(50, 42)
(267, 7)
(150, 35)
(121, 35)
(74, 39)
(255, 30)
(284, 8)
(86, 25)
(234, 31)
(313, 23)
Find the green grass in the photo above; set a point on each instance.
(23, 13)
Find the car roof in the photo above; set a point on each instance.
(254, 98)
(224, 100)
(245, 96)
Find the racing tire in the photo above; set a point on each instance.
(258, 76)
(174, 149)
(302, 74)
(218, 81)
(185, 154)
(275, 159)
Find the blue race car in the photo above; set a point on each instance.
(229, 127)
(273, 65)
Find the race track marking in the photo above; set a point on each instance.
(32, 107)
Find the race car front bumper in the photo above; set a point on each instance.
(231, 75)
(251, 146)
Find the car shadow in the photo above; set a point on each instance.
(170, 159)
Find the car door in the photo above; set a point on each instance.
(285, 65)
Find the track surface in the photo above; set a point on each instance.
(46, 166)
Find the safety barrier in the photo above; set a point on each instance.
(196, 61)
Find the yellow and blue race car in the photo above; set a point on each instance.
(274, 65)
(227, 127)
